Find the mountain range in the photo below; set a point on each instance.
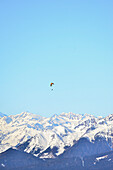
(67, 136)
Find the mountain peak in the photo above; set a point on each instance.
(59, 131)
(2, 115)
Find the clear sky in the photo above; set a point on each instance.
(68, 42)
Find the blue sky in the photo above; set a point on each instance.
(66, 42)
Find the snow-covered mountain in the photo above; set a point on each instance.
(50, 137)
(2, 115)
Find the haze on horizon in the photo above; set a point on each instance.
(65, 42)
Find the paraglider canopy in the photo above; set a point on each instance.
(51, 84)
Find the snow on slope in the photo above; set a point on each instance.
(102, 157)
(39, 135)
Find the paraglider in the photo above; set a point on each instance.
(51, 84)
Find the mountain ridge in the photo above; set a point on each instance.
(40, 135)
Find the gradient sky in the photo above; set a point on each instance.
(68, 42)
